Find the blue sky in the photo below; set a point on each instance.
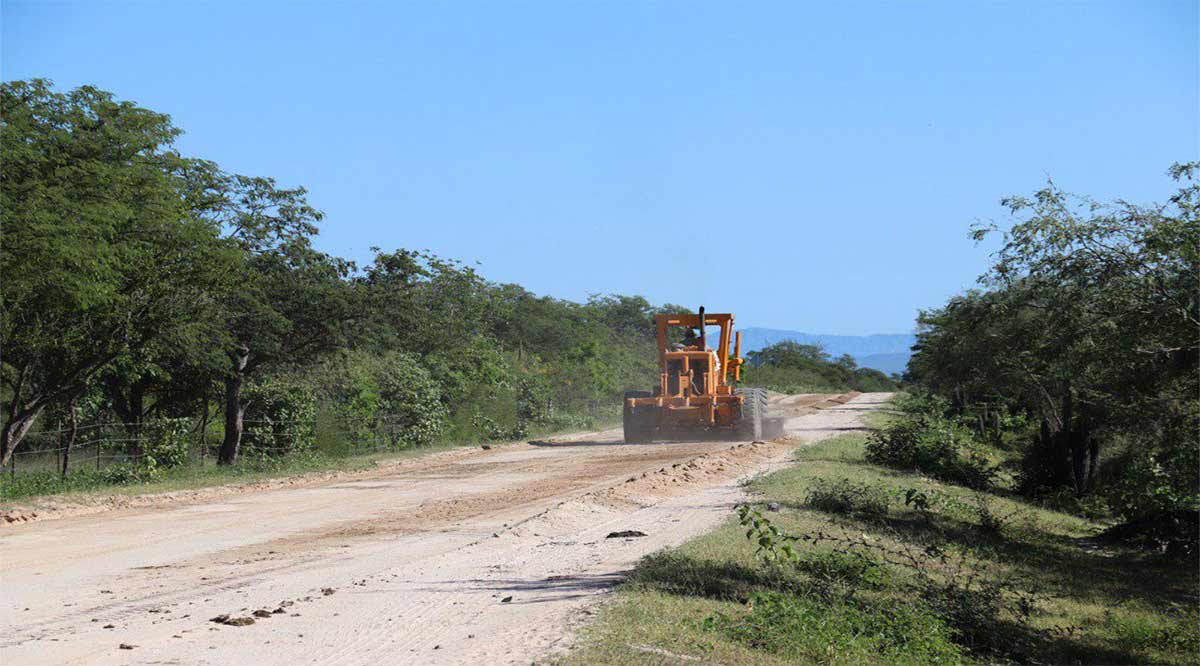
(812, 166)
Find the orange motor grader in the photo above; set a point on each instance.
(695, 396)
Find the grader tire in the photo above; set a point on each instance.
(754, 410)
(639, 425)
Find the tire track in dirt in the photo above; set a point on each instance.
(420, 558)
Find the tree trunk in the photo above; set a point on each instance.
(19, 423)
(234, 410)
(131, 408)
(204, 431)
(74, 428)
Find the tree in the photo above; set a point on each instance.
(291, 307)
(100, 254)
(1090, 319)
(788, 354)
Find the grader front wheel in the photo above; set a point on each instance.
(754, 409)
(639, 424)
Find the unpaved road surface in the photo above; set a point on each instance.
(486, 557)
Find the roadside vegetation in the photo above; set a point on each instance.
(792, 367)
(1034, 498)
(839, 560)
(164, 321)
(1080, 358)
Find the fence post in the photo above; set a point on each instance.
(98, 441)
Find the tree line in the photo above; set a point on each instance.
(792, 367)
(1082, 349)
(145, 287)
(140, 283)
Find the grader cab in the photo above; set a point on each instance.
(696, 395)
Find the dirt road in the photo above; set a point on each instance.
(479, 557)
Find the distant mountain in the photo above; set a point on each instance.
(887, 353)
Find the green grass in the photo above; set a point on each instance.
(714, 600)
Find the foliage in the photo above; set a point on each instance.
(1037, 592)
(151, 284)
(934, 445)
(164, 443)
(1087, 323)
(388, 396)
(844, 496)
(968, 606)
(832, 567)
(279, 415)
(101, 252)
(809, 629)
(792, 367)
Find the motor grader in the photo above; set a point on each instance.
(696, 395)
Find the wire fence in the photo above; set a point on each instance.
(100, 446)
(197, 441)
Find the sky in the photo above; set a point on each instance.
(808, 166)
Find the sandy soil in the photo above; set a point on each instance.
(465, 557)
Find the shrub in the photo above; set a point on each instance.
(1148, 487)
(850, 569)
(971, 612)
(381, 398)
(164, 443)
(126, 473)
(812, 630)
(410, 402)
(990, 522)
(1179, 632)
(279, 418)
(847, 497)
(489, 430)
(967, 605)
(934, 445)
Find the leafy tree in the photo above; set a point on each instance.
(1090, 319)
(792, 367)
(788, 354)
(291, 307)
(100, 253)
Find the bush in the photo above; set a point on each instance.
(1178, 633)
(126, 474)
(967, 608)
(410, 402)
(381, 398)
(847, 497)
(934, 445)
(813, 630)
(849, 569)
(279, 418)
(1147, 487)
(971, 612)
(164, 443)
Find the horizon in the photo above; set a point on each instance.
(586, 149)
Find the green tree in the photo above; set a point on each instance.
(101, 254)
(292, 305)
(1090, 319)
